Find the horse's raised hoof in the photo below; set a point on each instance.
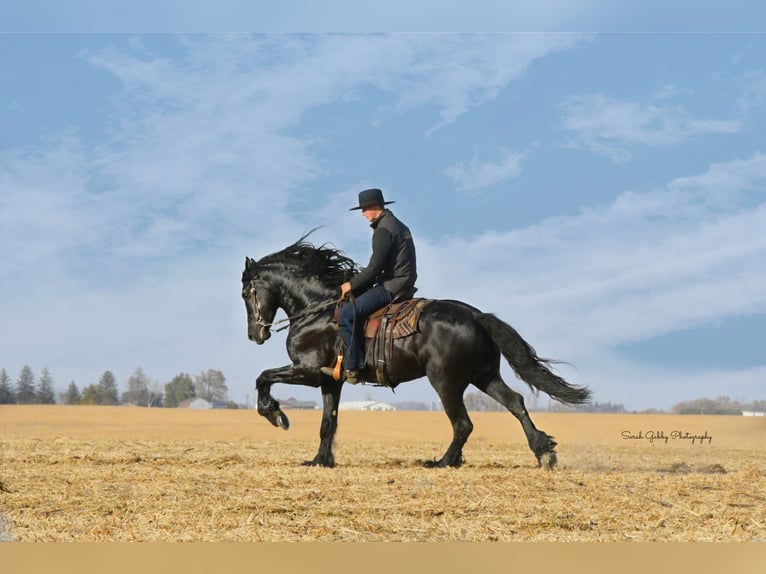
(547, 460)
(282, 420)
(277, 418)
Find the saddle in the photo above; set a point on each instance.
(400, 318)
(396, 320)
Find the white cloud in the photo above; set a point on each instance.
(478, 175)
(201, 148)
(114, 247)
(725, 184)
(647, 264)
(457, 74)
(605, 126)
(41, 207)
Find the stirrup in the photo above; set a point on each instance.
(336, 371)
(352, 377)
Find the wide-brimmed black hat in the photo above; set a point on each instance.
(370, 197)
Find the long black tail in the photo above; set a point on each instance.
(528, 366)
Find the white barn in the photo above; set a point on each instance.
(365, 406)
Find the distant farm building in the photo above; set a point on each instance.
(198, 404)
(365, 406)
(293, 403)
(202, 404)
(753, 413)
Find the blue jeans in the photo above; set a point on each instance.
(351, 324)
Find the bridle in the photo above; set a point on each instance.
(257, 309)
(306, 312)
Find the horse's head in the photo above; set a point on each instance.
(300, 275)
(260, 303)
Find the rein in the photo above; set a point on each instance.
(309, 311)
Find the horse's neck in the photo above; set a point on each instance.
(296, 297)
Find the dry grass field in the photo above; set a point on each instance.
(129, 474)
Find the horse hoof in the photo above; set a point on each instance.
(548, 460)
(282, 420)
(315, 462)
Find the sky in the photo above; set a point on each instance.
(604, 193)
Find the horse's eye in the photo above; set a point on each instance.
(252, 291)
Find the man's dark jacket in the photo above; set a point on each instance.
(392, 263)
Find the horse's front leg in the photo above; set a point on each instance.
(330, 401)
(268, 406)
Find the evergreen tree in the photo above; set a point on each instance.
(73, 396)
(138, 389)
(107, 393)
(211, 385)
(7, 396)
(45, 393)
(178, 390)
(25, 387)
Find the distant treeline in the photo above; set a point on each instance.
(210, 385)
(719, 406)
(141, 391)
(476, 401)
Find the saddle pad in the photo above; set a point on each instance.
(403, 316)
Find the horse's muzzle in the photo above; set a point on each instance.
(259, 334)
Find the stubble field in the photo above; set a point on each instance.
(130, 474)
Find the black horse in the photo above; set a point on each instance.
(456, 345)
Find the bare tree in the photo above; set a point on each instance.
(138, 389)
(211, 385)
(477, 401)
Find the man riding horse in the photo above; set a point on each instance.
(454, 345)
(391, 273)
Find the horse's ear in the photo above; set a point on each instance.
(247, 262)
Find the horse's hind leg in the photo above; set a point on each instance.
(451, 396)
(542, 444)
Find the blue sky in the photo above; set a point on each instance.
(603, 193)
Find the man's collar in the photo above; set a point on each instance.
(375, 221)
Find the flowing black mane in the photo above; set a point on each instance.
(329, 265)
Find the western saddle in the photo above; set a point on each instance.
(396, 320)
